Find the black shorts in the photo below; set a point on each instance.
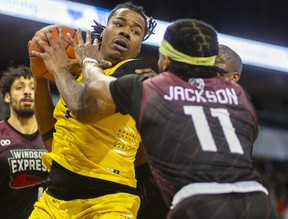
(152, 205)
(254, 205)
(66, 185)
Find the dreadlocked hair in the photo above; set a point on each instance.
(11, 74)
(193, 38)
(150, 23)
(97, 30)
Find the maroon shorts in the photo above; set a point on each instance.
(254, 205)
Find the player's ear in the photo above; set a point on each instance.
(102, 33)
(6, 97)
(235, 77)
(138, 52)
(166, 63)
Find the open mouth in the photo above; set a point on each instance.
(121, 44)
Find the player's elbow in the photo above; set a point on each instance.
(78, 114)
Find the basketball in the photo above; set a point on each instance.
(36, 63)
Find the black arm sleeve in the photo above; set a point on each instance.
(126, 93)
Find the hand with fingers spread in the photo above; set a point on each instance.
(85, 49)
(54, 56)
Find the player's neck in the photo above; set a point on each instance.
(24, 125)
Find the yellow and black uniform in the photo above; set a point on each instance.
(92, 166)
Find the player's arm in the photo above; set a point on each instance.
(112, 91)
(83, 106)
(97, 83)
(44, 108)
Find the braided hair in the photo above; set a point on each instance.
(150, 23)
(11, 74)
(193, 38)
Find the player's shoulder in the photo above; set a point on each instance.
(3, 123)
(221, 82)
(6, 129)
(129, 66)
(134, 64)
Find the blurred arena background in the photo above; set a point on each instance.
(259, 20)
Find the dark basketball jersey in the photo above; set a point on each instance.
(23, 175)
(201, 130)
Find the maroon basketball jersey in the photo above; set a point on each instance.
(197, 130)
(23, 176)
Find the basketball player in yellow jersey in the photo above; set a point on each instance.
(112, 152)
(91, 166)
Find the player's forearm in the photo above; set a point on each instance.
(73, 93)
(43, 105)
(68, 87)
(96, 82)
